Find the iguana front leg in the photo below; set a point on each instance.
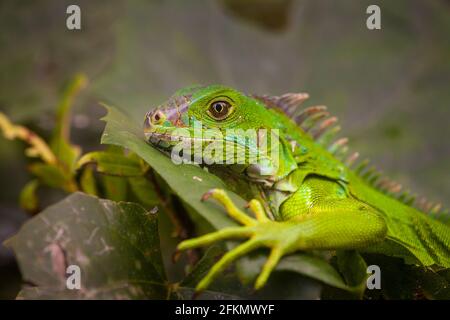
(322, 227)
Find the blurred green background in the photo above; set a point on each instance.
(390, 88)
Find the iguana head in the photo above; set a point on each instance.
(219, 125)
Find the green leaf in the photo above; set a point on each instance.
(202, 267)
(354, 269)
(113, 163)
(87, 181)
(144, 191)
(313, 267)
(66, 152)
(189, 182)
(62, 129)
(115, 188)
(227, 283)
(28, 198)
(53, 176)
(116, 246)
(306, 264)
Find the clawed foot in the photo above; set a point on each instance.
(280, 237)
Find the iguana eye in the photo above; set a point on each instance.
(158, 117)
(219, 110)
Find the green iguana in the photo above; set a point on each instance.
(307, 195)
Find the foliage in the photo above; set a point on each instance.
(116, 245)
(108, 224)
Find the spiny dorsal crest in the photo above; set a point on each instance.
(315, 120)
(288, 102)
(323, 127)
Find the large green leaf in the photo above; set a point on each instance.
(313, 267)
(190, 182)
(354, 270)
(116, 246)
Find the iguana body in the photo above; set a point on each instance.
(310, 197)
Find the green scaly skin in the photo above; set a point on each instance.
(311, 200)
